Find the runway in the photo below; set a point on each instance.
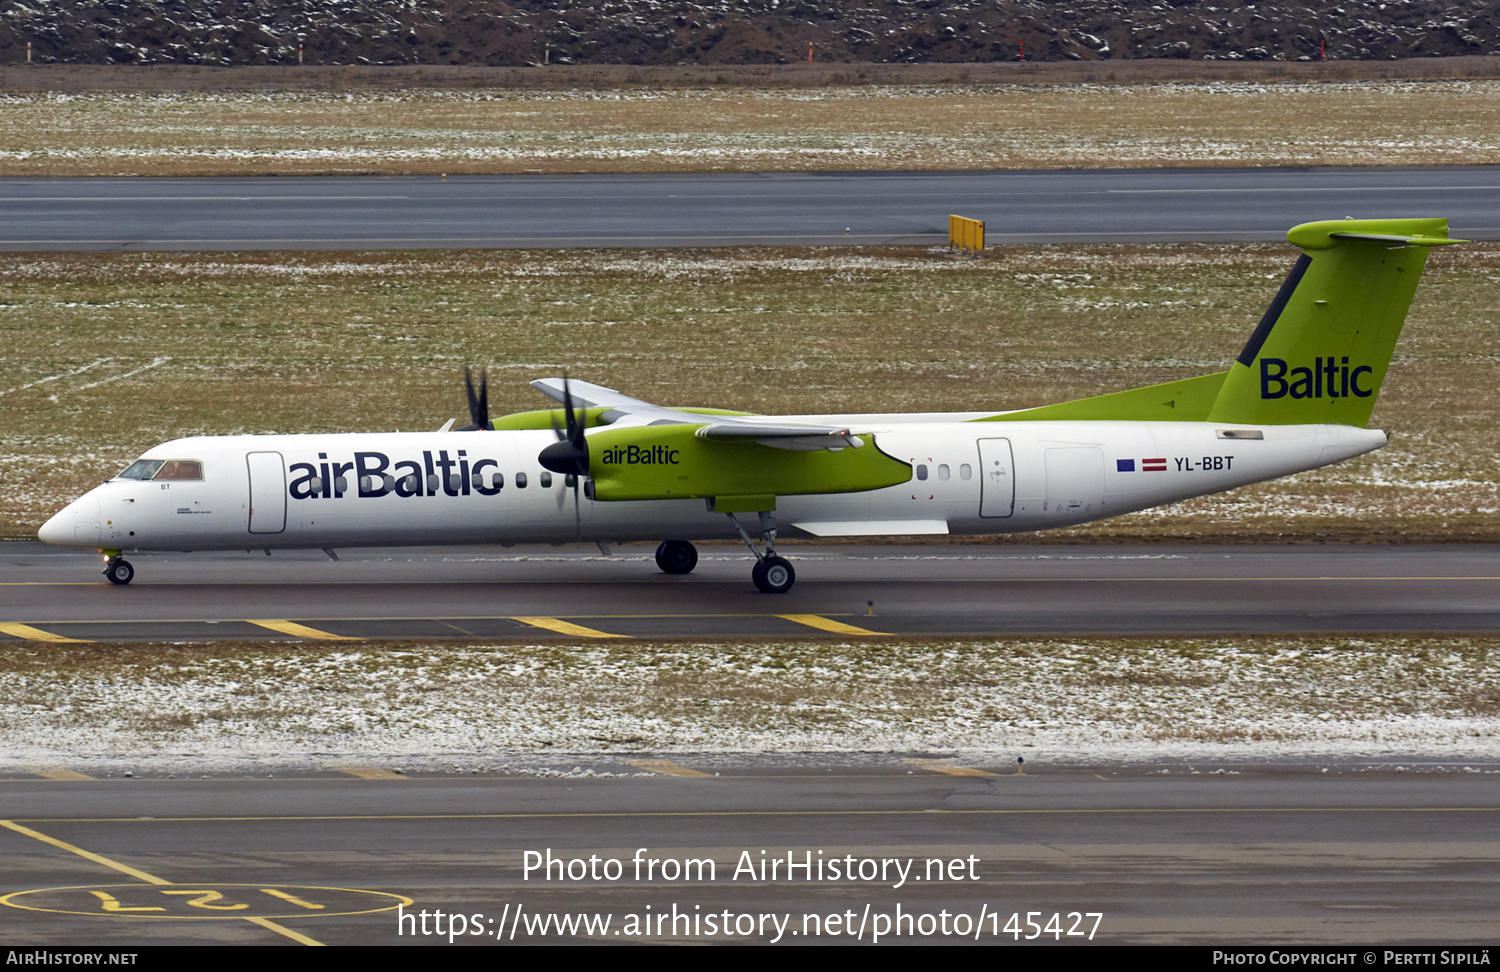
(717, 209)
(1175, 855)
(842, 590)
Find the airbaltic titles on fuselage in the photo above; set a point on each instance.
(375, 475)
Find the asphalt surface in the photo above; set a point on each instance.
(716, 209)
(1345, 855)
(918, 591)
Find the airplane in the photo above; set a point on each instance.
(609, 468)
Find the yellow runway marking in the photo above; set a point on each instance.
(139, 875)
(370, 773)
(947, 767)
(60, 773)
(35, 634)
(301, 630)
(828, 624)
(283, 930)
(665, 767)
(87, 855)
(567, 628)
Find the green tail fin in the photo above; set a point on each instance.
(1321, 351)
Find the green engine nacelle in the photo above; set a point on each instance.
(671, 462)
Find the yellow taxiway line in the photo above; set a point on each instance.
(140, 875)
(828, 624)
(36, 634)
(302, 631)
(566, 627)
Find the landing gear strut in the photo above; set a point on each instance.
(676, 556)
(771, 573)
(119, 571)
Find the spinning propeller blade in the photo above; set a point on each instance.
(479, 403)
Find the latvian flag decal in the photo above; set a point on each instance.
(1147, 465)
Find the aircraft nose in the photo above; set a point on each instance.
(59, 529)
(75, 525)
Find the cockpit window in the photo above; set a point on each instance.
(163, 469)
(180, 469)
(142, 469)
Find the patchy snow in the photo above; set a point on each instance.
(1083, 702)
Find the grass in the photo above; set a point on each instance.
(107, 355)
(1299, 118)
(1073, 700)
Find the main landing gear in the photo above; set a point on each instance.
(119, 571)
(771, 573)
(676, 557)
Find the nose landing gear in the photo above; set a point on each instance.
(119, 571)
(771, 574)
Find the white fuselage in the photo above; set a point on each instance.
(285, 491)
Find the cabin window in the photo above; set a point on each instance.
(545, 480)
(520, 480)
(922, 471)
(432, 484)
(965, 471)
(943, 472)
(455, 483)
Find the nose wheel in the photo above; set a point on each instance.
(119, 571)
(771, 574)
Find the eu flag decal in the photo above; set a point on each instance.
(1124, 465)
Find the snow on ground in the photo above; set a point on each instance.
(201, 707)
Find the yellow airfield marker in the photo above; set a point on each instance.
(566, 627)
(301, 630)
(946, 767)
(60, 773)
(139, 876)
(666, 767)
(371, 773)
(36, 634)
(828, 624)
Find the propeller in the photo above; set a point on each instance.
(569, 455)
(479, 403)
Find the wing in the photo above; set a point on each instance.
(622, 410)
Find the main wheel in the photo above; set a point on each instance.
(119, 572)
(676, 556)
(773, 575)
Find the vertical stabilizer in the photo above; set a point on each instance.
(1322, 349)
